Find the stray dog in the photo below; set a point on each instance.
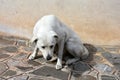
(48, 32)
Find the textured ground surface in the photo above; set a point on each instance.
(103, 63)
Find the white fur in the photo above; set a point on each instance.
(45, 31)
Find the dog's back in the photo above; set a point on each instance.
(52, 23)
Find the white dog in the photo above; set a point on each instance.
(50, 31)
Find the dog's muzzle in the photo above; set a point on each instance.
(49, 57)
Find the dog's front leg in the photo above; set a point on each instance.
(60, 55)
(33, 55)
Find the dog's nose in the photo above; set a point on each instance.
(49, 57)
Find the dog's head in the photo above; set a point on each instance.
(46, 43)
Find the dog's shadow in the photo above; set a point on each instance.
(92, 50)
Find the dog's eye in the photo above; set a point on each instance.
(43, 47)
(51, 46)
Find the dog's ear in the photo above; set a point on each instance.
(34, 39)
(54, 34)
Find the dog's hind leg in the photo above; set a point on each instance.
(70, 61)
(77, 50)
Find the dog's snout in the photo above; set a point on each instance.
(49, 57)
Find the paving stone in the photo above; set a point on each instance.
(112, 49)
(2, 51)
(118, 74)
(50, 71)
(33, 63)
(100, 49)
(115, 56)
(21, 42)
(14, 62)
(29, 49)
(116, 61)
(117, 66)
(98, 58)
(2, 79)
(79, 68)
(108, 56)
(40, 60)
(4, 43)
(9, 73)
(93, 73)
(35, 79)
(104, 68)
(21, 56)
(10, 49)
(106, 77)
(3, 55)
(87, 77)
(24, 68)
(3, 67)
(22, 77)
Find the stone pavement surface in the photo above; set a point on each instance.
(102, 64)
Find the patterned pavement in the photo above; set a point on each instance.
(102, 64)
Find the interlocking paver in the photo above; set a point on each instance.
(106, 77)
(20, 56)
(3, 67)
(14, 62)
(9, 73)
(104, 68)
(22, 77)
(10, 49)
(87, 77)
(24, 68)
(50, 71)
(33, 63)
(3, 56)
(35, 79)
(2, 79)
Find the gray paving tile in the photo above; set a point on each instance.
(35, 79)
(3, 55)
(104, 68)
(10, 49)
(24, 68)
(3, 67)
(9, 73)
(22, 77)
(20, 56)
(14, 62)
(106, 77)
(87, 77)
(79, 68)
(33, 63)
(50, 71)
(2, 79)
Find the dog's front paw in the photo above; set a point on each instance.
(58, 67)
(31, 57)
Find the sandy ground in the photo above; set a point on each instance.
(96, 21)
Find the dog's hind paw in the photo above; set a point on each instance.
(58, 67)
